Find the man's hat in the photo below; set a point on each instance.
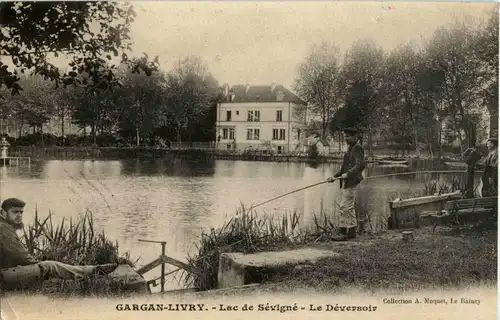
(351, 131)
(12, 203)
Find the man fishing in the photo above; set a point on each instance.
(350, 175)
(13, 253)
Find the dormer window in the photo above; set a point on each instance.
(280, 95)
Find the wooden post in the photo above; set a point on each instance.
(163, 243)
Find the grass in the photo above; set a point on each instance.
(375, 264)
(76, 243)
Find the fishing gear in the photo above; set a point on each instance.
(286, 194)
(332, 180)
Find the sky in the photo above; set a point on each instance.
(262, 42)
(259, 43)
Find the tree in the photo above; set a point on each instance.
(317, 83)
(192, 94)
(404, 96)
(139, 104)
(361, 85)
(34, 106)
(454, 58)
(487, 46)
(89, 33)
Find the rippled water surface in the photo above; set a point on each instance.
(175, 201)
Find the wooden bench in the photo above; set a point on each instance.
(465, 210)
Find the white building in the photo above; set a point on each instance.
(260, 118)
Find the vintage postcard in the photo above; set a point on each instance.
(319, 159)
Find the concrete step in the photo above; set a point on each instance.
(238, 269)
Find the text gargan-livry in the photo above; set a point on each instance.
(161, 307)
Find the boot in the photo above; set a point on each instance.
(345, 234)
(341, 236)
(361, 227)
(351, 233)
(104, 269)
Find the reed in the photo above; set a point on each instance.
(72, 242)
(246, 232)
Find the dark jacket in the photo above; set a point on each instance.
(353, 165)
(12, 251)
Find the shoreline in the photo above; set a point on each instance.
(382, 157)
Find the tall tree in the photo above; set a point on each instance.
(409, 115)
(34, 106)
(317, 83)
(191, 95)
(487, 46)
(88, 33)
(454, 58)
(361, 85)
(139, 104)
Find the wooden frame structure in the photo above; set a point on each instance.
(162, 260)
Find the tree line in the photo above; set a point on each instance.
(402, 98)
(178, 105)
(407, 96)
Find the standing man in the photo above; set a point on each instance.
(351, 176)
(489, 164)
(13, 253)
(490, 175)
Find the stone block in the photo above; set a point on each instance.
(238, 269)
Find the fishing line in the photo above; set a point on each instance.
(370, 177)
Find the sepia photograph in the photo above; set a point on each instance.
(248, 159)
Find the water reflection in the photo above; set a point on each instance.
(175, 200)
(175, 167)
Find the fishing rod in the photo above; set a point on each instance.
(294, 191)
(370, 177)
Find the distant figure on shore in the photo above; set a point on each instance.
(13, 253)
(351, 176)
(489, 163)
(4, 144)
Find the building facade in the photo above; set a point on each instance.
(260, 118)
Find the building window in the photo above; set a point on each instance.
(280, 95)
(253, 116)
(253, 134)
(279, 134)
(228, 133)
(237, 112)
(279, 115)
(228, 115)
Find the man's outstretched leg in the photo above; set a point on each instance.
(59, 270)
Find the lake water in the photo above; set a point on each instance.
(175, 201)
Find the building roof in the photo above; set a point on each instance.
(269, 93)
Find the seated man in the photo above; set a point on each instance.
(13, 253)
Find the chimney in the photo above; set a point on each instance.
(226, 89)
(273, 86)
(247, 87)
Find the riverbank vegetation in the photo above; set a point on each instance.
(378, 259)
(75, 242)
